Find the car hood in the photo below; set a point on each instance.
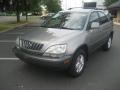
(50, 35)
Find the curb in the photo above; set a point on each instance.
(22, 25)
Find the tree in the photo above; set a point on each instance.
(4, 5)
(109, 2)
(26, 6)
(19, 6)
(12, 5)
(53, 5)
(18, 10)
(35, 6)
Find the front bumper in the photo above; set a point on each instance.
(61, 63)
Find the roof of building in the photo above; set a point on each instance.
(115, 5)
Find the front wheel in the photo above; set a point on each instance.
(78, 63)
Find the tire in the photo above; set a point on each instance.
(108, 44)
(78, 63)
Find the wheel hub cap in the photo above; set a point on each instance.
(109, 42)
(79, 63)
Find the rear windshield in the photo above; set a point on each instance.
(67, 20)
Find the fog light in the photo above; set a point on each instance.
(17, 47)
(66, 61)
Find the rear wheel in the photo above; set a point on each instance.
(107, 45)
(78, 63)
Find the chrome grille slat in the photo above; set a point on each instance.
(31, 45)
(37, 46)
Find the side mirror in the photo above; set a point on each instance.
(95, 25)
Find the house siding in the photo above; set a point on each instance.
(117, 19)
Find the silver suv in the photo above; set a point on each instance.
(66, 39)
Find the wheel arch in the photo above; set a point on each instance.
(84, 47)
(111, 34)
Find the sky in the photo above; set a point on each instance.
(77, 3)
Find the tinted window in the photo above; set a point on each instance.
(103, 18)
(67, 20)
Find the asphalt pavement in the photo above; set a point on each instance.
(102, 71)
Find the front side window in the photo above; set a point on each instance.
(93, 18)
(67, 20)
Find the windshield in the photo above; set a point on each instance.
(67, 20)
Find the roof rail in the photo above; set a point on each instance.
(93, 8)
(89, 7)
(99, 9)
(86, 8)
(74, 8)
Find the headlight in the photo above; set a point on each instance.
(56, 50)
(17, 41)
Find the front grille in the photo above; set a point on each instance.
(30, 45)
(31, 53)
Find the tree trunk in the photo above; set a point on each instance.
(26, 13)
(26, 10)
(18, 11)
(18, 16)
(26, 16)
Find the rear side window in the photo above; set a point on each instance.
(103, 18)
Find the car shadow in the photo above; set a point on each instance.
(97, 61)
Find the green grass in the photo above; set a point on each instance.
(12, 24)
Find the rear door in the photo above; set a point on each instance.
(94, 35)
(106, 26)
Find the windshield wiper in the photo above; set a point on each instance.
(66, 28)
(42, 26)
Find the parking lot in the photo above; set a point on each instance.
(102, 72)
